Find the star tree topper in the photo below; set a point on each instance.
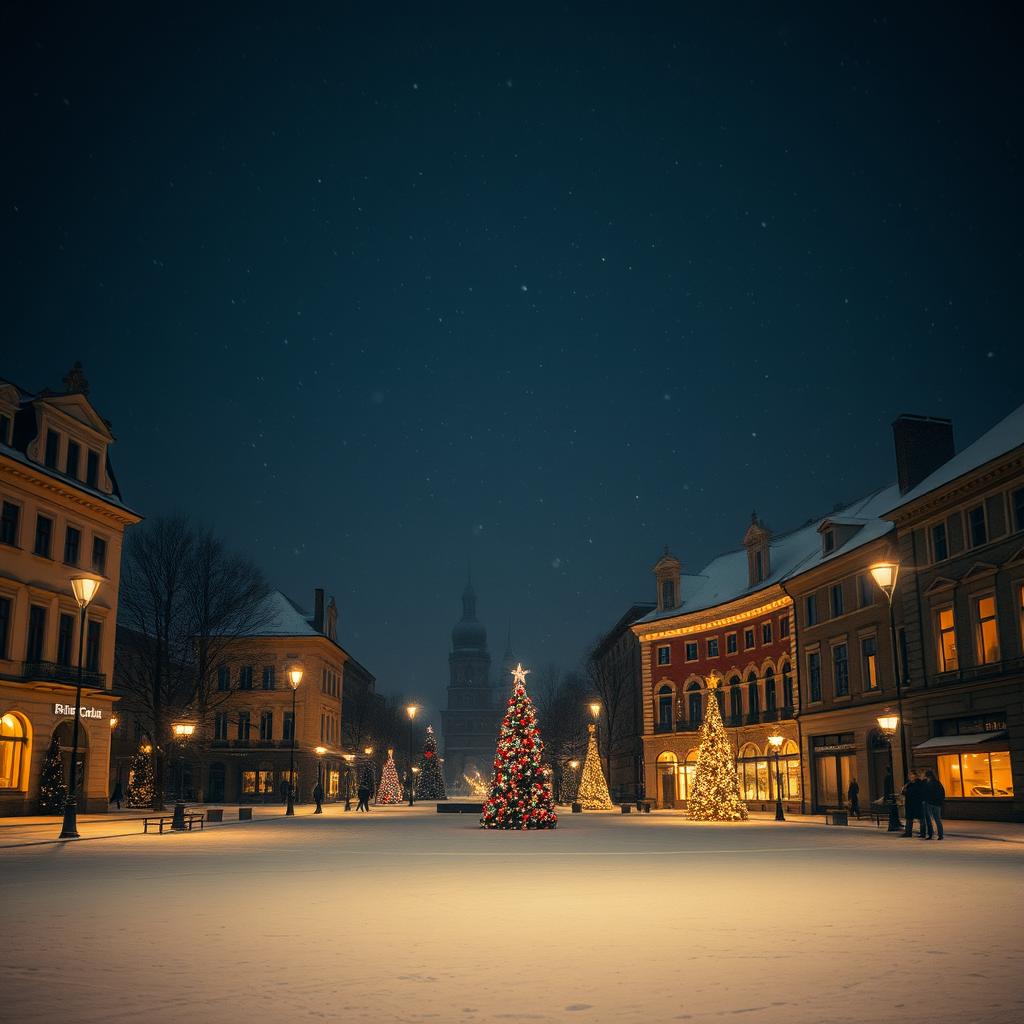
(519, 674)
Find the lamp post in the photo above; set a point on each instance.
(294, 678)
(595, 711)
(776, 743)
(320, 751)
(888, 723)
(84, 589)
(575, 766)
(411, 710)
(368, 769)
(885, 575)
(182, 732)
(348, 759)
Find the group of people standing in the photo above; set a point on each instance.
(923, 797)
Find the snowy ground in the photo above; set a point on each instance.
(413, 916)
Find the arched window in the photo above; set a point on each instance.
(753, 698)
(668, 773)
(14, 752)
(752, 772)
(789, 771)
(787, 689)
(687, 771)
(695, 704)
(769, 689)
(735, 700)
(665, 707)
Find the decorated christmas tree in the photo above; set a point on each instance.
(51, 781)
(140, 778)
(520, 796)
(429, 780)
(390, 789)
(592, 792)
(714, 793)
(570, 783)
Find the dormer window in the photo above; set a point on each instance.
(72, 460)
(828, 542)
(757, 540)
(667, 575)
(668, 594)
(52, 449)
(92, 468)
(5, 429)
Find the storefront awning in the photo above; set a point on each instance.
(970, 741)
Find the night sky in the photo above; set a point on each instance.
(376, 296)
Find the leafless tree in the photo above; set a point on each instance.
(186, 605)
(610, 673)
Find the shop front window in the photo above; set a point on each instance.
(752, 769)
(977, 774)
(333, 783)
(249, 782)
(14, 752)
(266, 781)
(668, 770)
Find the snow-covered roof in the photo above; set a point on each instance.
(1004, 437)
(725, 578)
(281, 616)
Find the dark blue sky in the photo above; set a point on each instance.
(377, 294)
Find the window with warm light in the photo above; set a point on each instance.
(869, 662)
(752, 769)
(668, 778)
(14, 752)
(945, 629)
(986, 629)
(980, 774)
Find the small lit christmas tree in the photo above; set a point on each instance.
(714, 792)
(520, 796)
(390, 789)
(592, 792)
(51, 781)
(140, 778)
(570, 782)
(477, 786)
(429, 780)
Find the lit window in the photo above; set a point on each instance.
(691, 650)
(986, 629)
(983, 774)
(976, 528)
(869, 662)
(940, 546)
(949, 660)
(665, 655)
(14, 752)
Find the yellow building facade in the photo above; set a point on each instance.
(61, 515)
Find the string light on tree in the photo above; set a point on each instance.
(430, 780)
(477, 785)
(714, 793)
(592, 793)
(390, 789)
(141, 778)
(52, 786)
(520, 796)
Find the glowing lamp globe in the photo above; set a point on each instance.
(775, 741)
(885, 575)
(295, 676)
(888, 722)
(85, 589)
(320, 751)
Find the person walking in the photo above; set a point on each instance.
(913, 800)
(364, 797)
(117, 795)
(318, 797)
(853, 796)
(934, 798)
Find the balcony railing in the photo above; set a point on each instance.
(976, 673)
(51, 672)
(685, 726)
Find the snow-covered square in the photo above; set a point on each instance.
(409, 915)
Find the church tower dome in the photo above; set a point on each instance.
(468, 634)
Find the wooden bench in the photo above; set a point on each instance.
(164, 821)
(837, 817)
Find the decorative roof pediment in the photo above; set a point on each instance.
(1015, 559)
(79, 408)
(667, 563)
(939, 584)
(9, 394)
(979, 569)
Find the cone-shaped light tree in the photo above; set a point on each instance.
(592, 792)
(520, 796)
(51, 781)
(140, 778)
(714, 792)
(429, 779)
(390, 789)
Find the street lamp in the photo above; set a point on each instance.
(411, 710)
(776, 742)
(885, 575)
(320, 751)
(182, 731)
(368, 771)
(294, 678)
(348, 759)
(595, 711)
(889, 723)
(84, 589)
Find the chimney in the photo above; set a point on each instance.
(318, 609)
(923, 443)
